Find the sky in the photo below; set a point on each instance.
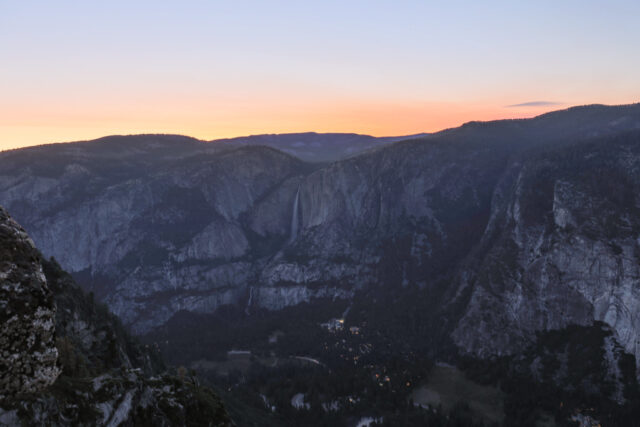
(76, 70)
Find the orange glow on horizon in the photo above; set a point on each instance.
(82, 70)
(26, 126)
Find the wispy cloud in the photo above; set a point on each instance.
(535, 104)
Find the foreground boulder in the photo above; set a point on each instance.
(66, 361)
(28, 353)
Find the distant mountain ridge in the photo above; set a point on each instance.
(499, 221)
(317, 147)
(309, 146)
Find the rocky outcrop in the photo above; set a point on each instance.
(67, 361)
(28, 354)
(120, 398)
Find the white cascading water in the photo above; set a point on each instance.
(294, 218)
(246, 310)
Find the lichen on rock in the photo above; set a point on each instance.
(77, 366)
(28, 354)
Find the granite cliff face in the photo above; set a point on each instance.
(516, 225)
(561, 248)
(147, 221)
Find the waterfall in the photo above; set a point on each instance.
(246, 310)
(294, 218)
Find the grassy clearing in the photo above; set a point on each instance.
(447, 386)
(241, 364)
(546, 420)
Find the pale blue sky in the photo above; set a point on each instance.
(212, 66)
